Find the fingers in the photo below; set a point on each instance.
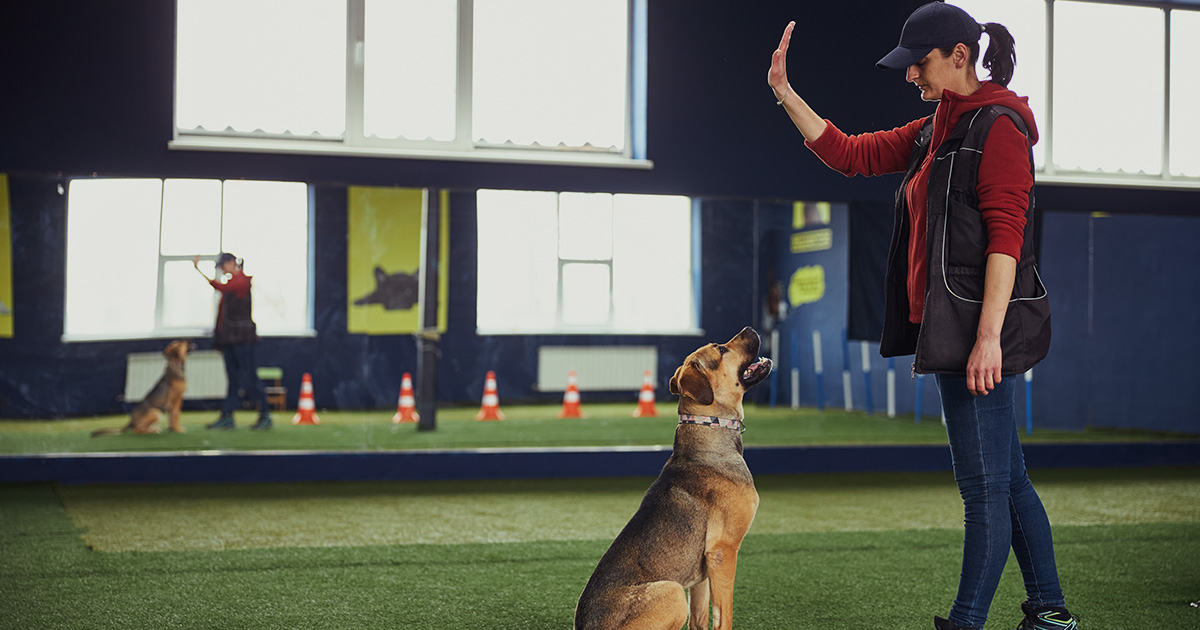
(778, 72)
(980, 382)
(786, 40)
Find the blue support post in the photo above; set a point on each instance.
(866, 363)
(1029, 401)
(891, 387)
(775, 372)
(917, 410)
(819, 368)
(847, 393)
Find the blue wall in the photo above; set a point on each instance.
(1124, 327)
(88, 89)
(1122, 290)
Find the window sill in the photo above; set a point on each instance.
(192, 333)
(1116, 180)
(492, 155)
(498, 332)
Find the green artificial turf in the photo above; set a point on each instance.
(606, 425)
(248, 516)
(865, 550)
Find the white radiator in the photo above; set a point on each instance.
(598, 367)
(205, 374)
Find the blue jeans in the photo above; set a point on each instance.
(241, 370)
(1002, 509)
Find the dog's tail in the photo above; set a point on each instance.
(110, 431)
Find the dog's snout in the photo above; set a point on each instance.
(750, 338)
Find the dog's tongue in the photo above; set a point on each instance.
(762, 364)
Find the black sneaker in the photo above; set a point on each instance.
(224, 422)
(1046, 618)
(946, 624)
(264, 423)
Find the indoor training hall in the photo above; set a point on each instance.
(378, 313)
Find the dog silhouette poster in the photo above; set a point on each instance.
(384, 260)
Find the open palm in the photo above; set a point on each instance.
(777, 76)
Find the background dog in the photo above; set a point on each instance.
(689, 527)
(165, 397)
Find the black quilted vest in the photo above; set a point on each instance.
(234, 323)
(957, 240)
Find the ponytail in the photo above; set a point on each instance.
(1001, 56)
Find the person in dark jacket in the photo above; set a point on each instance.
(963, 293)
(236, 335)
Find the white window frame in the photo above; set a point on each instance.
(464, 148)
(561, 327)
(1048, 173)
(170, 332)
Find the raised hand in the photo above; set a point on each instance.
(777, 76)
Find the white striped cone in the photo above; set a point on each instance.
(306, 409)
(406, 409)
(571, 407)
(490, 409)
(646, 407)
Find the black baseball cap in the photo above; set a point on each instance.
(224, 258)
(934, 25)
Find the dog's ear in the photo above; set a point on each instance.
(690, 382)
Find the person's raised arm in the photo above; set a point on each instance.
(806, 120)
(196, 265)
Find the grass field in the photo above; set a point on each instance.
(605, 425)
(863, 550)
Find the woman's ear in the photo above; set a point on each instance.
(962, 55)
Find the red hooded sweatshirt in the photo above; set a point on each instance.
(1004, 176)
(238, 286)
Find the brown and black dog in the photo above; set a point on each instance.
(165, 397)
(689, 527)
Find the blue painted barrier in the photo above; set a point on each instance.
(296, 466)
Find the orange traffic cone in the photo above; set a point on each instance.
(646, 407)
(406, 410)
(490, 410)
(306, 410)
(570, 408)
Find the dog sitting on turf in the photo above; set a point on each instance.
(689, 527)
(165, 397)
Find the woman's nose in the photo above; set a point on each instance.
(912, 74)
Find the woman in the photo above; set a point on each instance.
(236, 336)
(963, 293)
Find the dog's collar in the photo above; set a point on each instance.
(713, 421)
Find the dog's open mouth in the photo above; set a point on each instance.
(754, 373)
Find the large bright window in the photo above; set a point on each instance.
(130, 244)
(1143, 130)
(584, 263)
(1185, 93)
(1133, 148)
(454, 79)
